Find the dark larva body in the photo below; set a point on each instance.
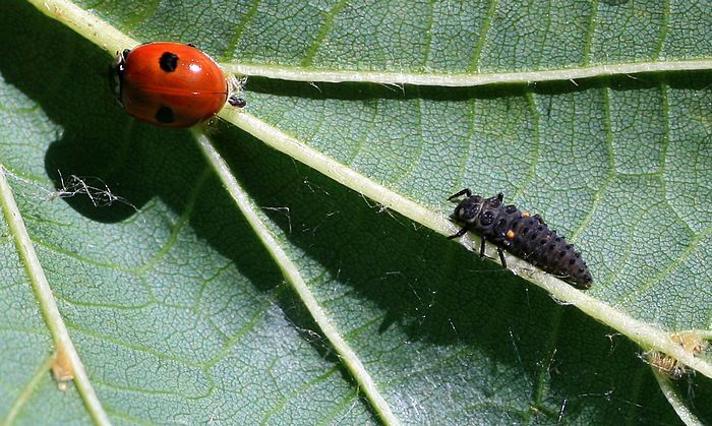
(521, 234)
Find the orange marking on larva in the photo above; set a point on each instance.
(525, 214)
(510, 235)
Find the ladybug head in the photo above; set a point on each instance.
(468, 209)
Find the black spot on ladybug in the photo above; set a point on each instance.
(542, 247)
(168, 61)
(165, 115)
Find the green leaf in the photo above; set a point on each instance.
(214, 279)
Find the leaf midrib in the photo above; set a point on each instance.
(638, 331)
(572, 74)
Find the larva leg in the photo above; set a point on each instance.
(459, 234)
(563, 277)
(501, 257)
(465, 191)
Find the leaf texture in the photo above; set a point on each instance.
(179, 312)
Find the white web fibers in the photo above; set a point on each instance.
(93, 188)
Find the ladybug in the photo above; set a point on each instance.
(173, 84)
(521, 234)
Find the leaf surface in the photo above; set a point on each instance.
(181, 314)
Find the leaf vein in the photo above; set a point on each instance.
(536, 146)
(323, 33)
(588, 43)
(48, 306)
(484, 30)
(240, 29)
(27, 391)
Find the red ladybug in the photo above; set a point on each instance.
(173, 84)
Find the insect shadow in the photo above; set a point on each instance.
(92, 138)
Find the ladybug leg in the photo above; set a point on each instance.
(459, 234)
(500, 196)
(465, 191)
(237, 101)
(236, 91)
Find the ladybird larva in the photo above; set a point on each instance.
(520, 233)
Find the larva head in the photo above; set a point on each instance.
(468, 210)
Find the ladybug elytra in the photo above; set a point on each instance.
(173, 84)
